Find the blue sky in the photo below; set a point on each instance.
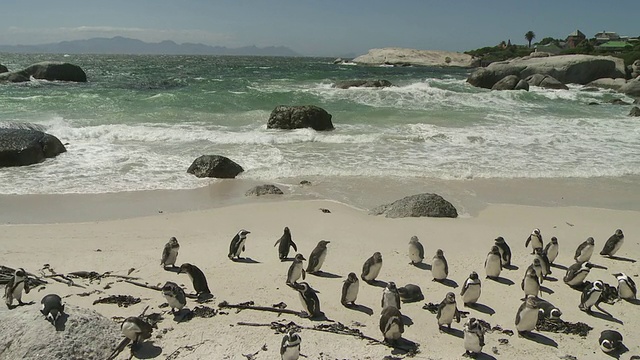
(314, 27)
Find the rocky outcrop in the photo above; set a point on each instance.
(266, 189)
(635, 111)
(362, 83)
(403, 56)
(14, 76)
(56, 71)
(431, 205)
(608, 83)
(522, 85)
(632, 87)
(215, 166)
(20, 147)
(545, 81)
(507, 83)
(635, 69)
(3, 69)
(297, 117)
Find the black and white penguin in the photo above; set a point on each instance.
(591, 296)
(175, 296)
(544, 262)
(296, 270)
(410, 293)
(471, 289)
(14, 288)
(537, 266)
(552, 249)
(473, 337)
(371, 268)
(390, 296)
(527, 315)
(535, 238)
(585, 250)
(493, 263)
(52, 307)
(416, 251)
(286, 243)
(290, 346)
(317, 257)
(530, 283)
(505, 251)
(197, 278)
(576, 273)
(309, 299)
(136, 330)
(170, 253)
(350, 289)
(439, 266)
(610, 340)
(548, 310)
(447, 311)
(613, 244)
(626, 287)
(238, 244)
(391, 324)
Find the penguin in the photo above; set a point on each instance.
(296, 270)
(505, 251)
(52, 307)
(493, 263)
(15, 286)
(136, 330)
(170, 253)
(447, 311)
(591, 296)
(585, 250)
(626, 287)
(350, 289)
(197, 278)
(237, 244)
(535, 239)
(286, 243)
(530, 283)
(390, 296)
(471, 289)
(309, 299)
(175, 296)
(610, 340)
(371, 268)
(527, 315)
(317, 257)
(548, 310)
(410, 293)
(613, 244)
(544, 262)
(576, 273)
(391, 324)
(473, 337)
(537, 266)
(439, 266)
(416, 251)
(290, 347)
(552, 249)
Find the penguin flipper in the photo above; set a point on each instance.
(274, 245)
(446, 266)
(440, 307)
(481, 338)
(526, 244)
(283, 345)
(304, 273)
(294, 246)
(608, 246)
(465, 287)
(456, 314)
(26, 285)
(165, 254)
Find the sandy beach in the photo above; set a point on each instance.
(136, 242)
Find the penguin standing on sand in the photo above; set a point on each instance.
(439, 266)
(591, 296)
(527, 315)
(626, 287)
(493, 263)
(350, 289)
(585, 250)
(544, 262)
(535, 239)
(610, 340)
(309, 299)
(15, 286)
(317, 257)
(530, 283)
(52, 307)
(473, 337)
(551, 249)
(391, 324)
(296, 270)
(613, 244)
(416, 251)
(471, 289)
(390, 296)
(548, 310)
(576, 273)
(170, 253)
(237, 245)
(537, 266)
(286, 243)
(447, 311)
(505, 251)
(371, 268)
(290, 347)
(197, 278)
(175, 296)
(136, 330)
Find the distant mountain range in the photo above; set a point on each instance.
(122, 45)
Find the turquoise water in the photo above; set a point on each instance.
(141, 120)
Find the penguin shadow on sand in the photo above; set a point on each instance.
(452, 331)
(11, 307)
(539, 338)
(511, 267)
(619, 258)
(633, 301)
(324, 274)
(175, 269)
(481, 308)
(422, 266)
(546, 290)
(447, 282)
(603, 314)
(559, 266)
(480, 356)
(61, 323)
(619, 351)
(245, 260)
(501, 280)
(146, 350)
(359, 307)
(377, 283)
(403, 346)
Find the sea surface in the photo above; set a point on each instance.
(139, 122)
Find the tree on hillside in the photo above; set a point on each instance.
(530, 35)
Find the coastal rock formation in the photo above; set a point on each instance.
(3, 69)
(507, 83)
(635, 69)
(51, 71)
(545, 81)
(431, 205)
(20, 147)
(632, 87)
(635, 111)
(81, 334)
(215, 166)
(607, 83)
(297, 117)
(576, 69)
(362, 83)
(522, 85)
(14, 76)
(265, 189)
(403, 56)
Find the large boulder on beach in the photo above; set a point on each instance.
(404, 56)
(298, 117)
(635, 69)
(431, 205)
(507, 83)
(545, 81)
(635, 111)
(632, 87)
(215, 166)
(14, 76)
(266, 189)
(20, 147)
(60, 71)
(362, 83)
(80, 334)
(607, 83)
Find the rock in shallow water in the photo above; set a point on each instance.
(215, 166)
(20, 147)
(266, 189)
(431, 205)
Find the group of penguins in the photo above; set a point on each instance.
(391, 319)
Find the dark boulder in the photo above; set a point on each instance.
(297, 117)
(486, 78)
(3, 69)
(362, 83)
(56, 71)
(618, 102)
(20, 147)
(431, 205)
(545, 81)
(14, 76)
(215, 166)
(522, 85)
(264, 190)
(635, 111)
(508, 82)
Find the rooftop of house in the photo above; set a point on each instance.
(577, 33)
(615, 44)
